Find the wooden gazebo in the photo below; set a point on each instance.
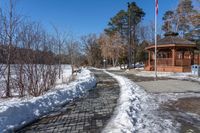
(174, 54)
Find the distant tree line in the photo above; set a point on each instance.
(20, 54)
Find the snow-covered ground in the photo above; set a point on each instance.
(16, 112)
(65, 74)
(141, 72)
(185, 75)
(137, 112)
(113, 68)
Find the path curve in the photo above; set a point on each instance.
(88, 114)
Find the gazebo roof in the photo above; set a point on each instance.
(172, 38)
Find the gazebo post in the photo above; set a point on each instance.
(173, 57)
(183, 57)
(149, 60)
(192, 57)
(183, 53)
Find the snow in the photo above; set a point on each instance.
(114, 68)
(137, 111)
(183, 75)
(16, 112)
(66, 74)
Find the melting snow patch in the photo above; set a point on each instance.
(137, 112)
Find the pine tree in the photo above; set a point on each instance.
(168, 21)
(125, 23)
(183, 20)
(184, 12)
(119, 23)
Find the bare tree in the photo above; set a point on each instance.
(105, 46)
(60, 40)
(2, 47)
(10, 26)
(111, 47)
(28, 55)
(92, 50)
(74, 54)
(35, 66)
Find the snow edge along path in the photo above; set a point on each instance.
(137, 111)
(14, 115)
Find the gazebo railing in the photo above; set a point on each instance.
(168, 62)
(162, 62)
(183, 62)
(197, 60)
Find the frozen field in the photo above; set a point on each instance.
(65, 77)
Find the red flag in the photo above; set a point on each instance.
(157, 7)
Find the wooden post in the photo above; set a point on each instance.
(173, 57)
(183, 53)
(183, 56)
(192, 57)
(198, 59)
(149, 59)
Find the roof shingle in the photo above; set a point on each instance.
(172, 38)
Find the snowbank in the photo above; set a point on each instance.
(17, 112)
(137, 112)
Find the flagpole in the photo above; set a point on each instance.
(156, 13)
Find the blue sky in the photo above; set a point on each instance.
(82, 17)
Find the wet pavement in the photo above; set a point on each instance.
(88, 114)
(181, 110)
(187, 112)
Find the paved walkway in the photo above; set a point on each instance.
(89, 114)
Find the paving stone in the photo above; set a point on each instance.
(88, 114)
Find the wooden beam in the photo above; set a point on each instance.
(171, 45)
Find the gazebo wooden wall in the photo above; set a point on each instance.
(168, 65)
